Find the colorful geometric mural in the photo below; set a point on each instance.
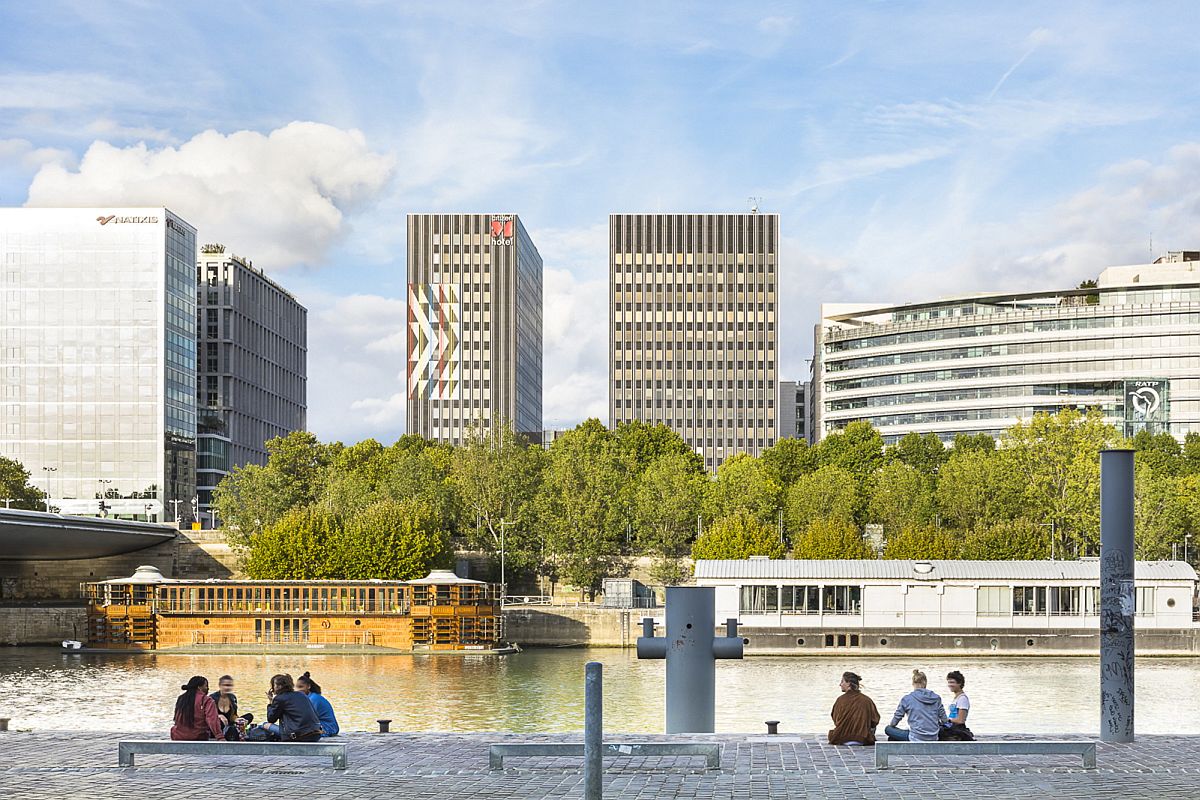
(434, 333)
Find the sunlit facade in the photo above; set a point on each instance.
(98, 356)
(1129, 346)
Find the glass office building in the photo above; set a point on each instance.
(474, 325)
(1129, 346)
(98, 356)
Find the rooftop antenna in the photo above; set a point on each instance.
(1152, 247)
(755, 202)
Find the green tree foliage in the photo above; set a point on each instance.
(294, 547)
(743, 484)
(830, 493)
(978, 488)
(496, 477)
(923, 543)
(972, 442)
(582, 505)
(739, 535)
(1015, 539)
(787, 460)
(1160, 451)
(858, 449)
(16, 489)
(925, 454)
(901, 498)
(831, 538)
(666, 504)
(1160, 510)
(644, 443)
(390, 540)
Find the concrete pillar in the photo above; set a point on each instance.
(1117, 596)
(593, 731)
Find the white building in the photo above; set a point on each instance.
(1129, 346)
(882, 597)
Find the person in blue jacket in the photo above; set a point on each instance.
(323, 707)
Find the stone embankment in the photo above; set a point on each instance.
(440, 766)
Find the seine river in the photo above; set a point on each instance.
(542, 690)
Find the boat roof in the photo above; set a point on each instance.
(1087, 569)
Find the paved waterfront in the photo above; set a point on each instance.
(455, 767)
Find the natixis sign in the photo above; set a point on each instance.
(1147, 406)
(115, 219)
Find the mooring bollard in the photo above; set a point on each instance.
(1117, 596)
(593, 731)
(772, 727)
(3, 724)
(383, 725)
(691, 658)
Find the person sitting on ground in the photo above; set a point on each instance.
(234, 726)
(292, 711)
(924, 710)
(854, 714)
(195, 713)
(306, 685)
(960, 704)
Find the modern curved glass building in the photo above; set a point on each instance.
(1129, 346)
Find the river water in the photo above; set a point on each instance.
(542, 690)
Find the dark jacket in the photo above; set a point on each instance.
(854, 719)
(295, 714)
(229, 717)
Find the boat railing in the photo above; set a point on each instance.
(236, 607)
(267, 639)
(528, 600)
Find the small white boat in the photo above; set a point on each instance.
(72, 646)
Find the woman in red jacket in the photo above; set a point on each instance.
(196, 716)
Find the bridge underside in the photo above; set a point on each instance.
(40, 536)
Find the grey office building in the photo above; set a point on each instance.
(793, 410)
(98, 356)
(252, 347)
(692, 327)
(474, 324)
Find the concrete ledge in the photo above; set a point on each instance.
(128, 748)
(711, 751)
(883, 750)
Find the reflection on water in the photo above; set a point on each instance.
(542, 690)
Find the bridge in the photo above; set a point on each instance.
(42, 536)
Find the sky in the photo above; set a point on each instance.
(912, 149)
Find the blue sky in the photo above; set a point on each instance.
(912, 149)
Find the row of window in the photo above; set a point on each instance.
(990, 600)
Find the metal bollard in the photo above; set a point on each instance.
(691, 684)
(3, 724)
(772, 727)
(1117, 596)
(593, 731)
(383, 725)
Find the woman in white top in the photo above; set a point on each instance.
(960, 704)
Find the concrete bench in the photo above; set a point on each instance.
(1015, 747)
(127, 749)
(710, 750)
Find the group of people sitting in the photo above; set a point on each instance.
(855, 716)
(296, 712)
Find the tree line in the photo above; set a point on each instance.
(577, 510)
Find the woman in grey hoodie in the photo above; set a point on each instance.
(924, 710)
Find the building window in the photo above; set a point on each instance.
(1029, 600)
(801, 600)
(1145, 601)
(993, 601)
(1091, 601)
(760, 599)
(842, 599)
(1065, 601)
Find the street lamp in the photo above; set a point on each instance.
(503, 526)
(1186, 541)
(1053, 528)
(48, 471)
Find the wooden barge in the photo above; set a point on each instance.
(441, 613)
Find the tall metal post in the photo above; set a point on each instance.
(690, 650)
(1117, 596)
(593, 731)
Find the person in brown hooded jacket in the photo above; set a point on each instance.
(854, 714)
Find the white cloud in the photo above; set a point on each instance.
(278, 198)
(22, 152)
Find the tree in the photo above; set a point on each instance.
(925, 454)
(901, 497)
(1160, 511)
(666, 504)
(423, 473)
(1159, 451)
(390, 540)
(16, 489)
(739, 535)
(922, 543)
(253, 497)
(581, 507)
(496, 476)
(1057, 459)
(294, 547)
(830, 493)
(643, 443)
(788, 459)
(974, 442)
(976, 489)
(1191, 454)
(831, 539)
(743, 484)
(858, 449)
(1008, 540)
